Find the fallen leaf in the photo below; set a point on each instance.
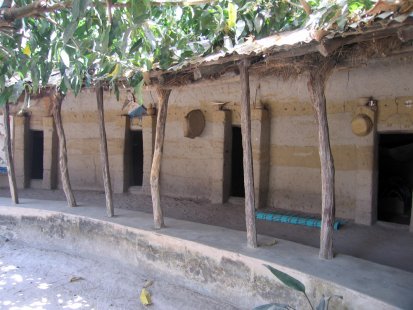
(145, 297)
(74, 279)
(268, 243)
(148, 283)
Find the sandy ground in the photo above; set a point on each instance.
(385, 244)
(35, 278)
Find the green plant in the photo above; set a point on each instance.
(296, 285)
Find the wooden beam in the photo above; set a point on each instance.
(316, 87)
(328, 47)
(9, 155)
(247, 154)
(57, 99)
(104, 152)
(405, 34)
(163, 96)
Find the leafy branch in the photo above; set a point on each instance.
(296, 285)
(86, 40)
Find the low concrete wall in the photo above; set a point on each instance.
(238, 278)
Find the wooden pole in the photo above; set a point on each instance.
(57, 100)
(316, 87)
(247, 155)
(9, 155)
(104, 152)
(163, 96)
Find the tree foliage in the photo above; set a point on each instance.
(85, 40)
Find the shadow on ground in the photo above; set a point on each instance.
(389, 245)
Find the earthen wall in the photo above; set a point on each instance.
(284, 138)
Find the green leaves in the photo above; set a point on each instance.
(75, 9)
(212, 20)
(258, 22)
(45, 71)
(296, 285)
(64, 56)
(79, 8)
(69, 31)
(141, 36)
(35, 76)
(286, 279)
(232, 15)
(240, 29)
(4, 96)
(140, 10)
(17, 90)
(356, 6)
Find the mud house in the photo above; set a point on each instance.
(370, 115)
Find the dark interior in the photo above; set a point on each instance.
(237, 168)
(395, 178)
(36, 137)
(136, 158)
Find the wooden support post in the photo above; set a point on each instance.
(163, 96)
(9, 155)
(247, 154)
(104, 152)
(316, 87)
(57, 100)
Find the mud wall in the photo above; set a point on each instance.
(284, 138)
(80, 122)
(81, 125)
(288, 145)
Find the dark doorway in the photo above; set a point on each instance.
(395, 178)
(237, 167)
(136, 158)
(36, 137)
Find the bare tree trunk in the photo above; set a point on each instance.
(104, 152)
(57, 100)
(9, 155)
(163, 96)
(247, 155)
(316, 87)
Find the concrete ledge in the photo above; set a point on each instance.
(212, 260)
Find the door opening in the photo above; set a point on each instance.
(237, 166)
(36, 171)
(136, 158)
(395, 178)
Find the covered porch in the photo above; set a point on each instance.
(382, 243)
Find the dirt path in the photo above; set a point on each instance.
(34, 278)
(390, 245)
